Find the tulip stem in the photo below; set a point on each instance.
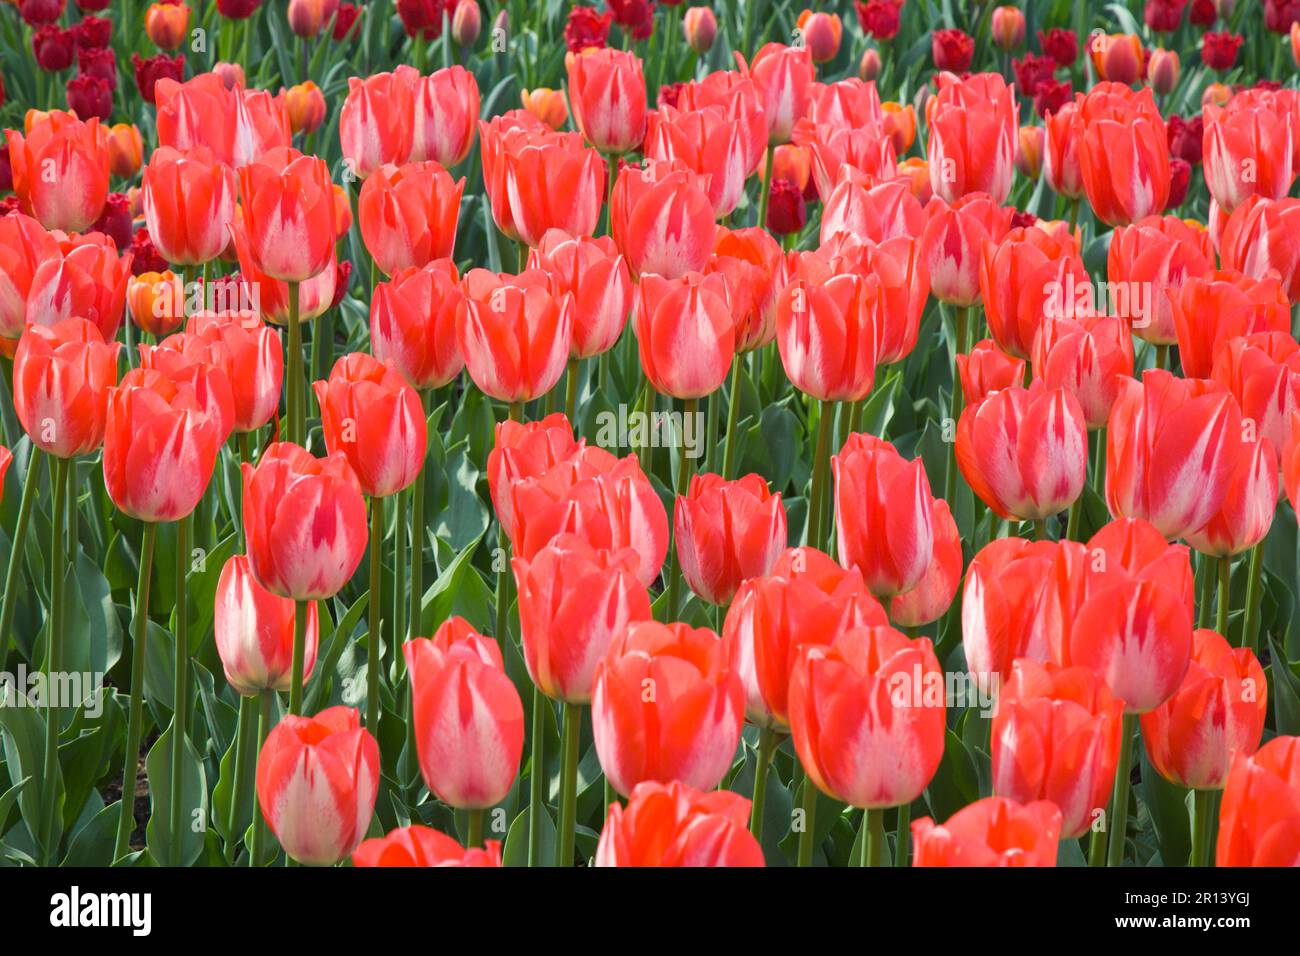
(611, 175)
(1202, 824)
(1097, 848)
(1119, 800)
(504, 576)
(1225, 595)
(765, 188)
(180, 691)
(475, 837)
(19, 543)
(684, 469)
(873, 843)
(957, 403)
(294, 399)
(1162, 357)
(1040, 530)
(766, 746)
(569, 785)
(1072, 525)
(733, 414)
(903, 838)
(807, 837)
(1253, 581)
(245, 754)
(54, 651)
(135, 716)
(417, 545)
(299, 653)
(376, 613)
(537, 780)
(821, 465)
(571, 392)
(265, 699)
(398, 626)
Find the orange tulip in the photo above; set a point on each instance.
(739, 96)
(375, 121)
(522, 451)
(270, 296)
(446, 109)
(826, 336)
(408, 215)
(547, 105)
(986, 368)
(1249, 500)
(783, 76)
(1117, 57)
(727, 532)
(1246, 153)
(998, 605)
(1212, 309)
(61, 380)
(1088, 357)
(24, 245)
(608, 93)
(514, 334)
(676, 825)
(821, 34)
(167, 24)
(1161, 253)
(954, 240)
(203, 366)
(666, 705)
(125, 150)
(754, 266)
(255, 360)
(709, 142)
(417, 845)
(972, 145)
(1061, 153)
(596, 275)
(238, 125)
(685, 332)
(501, 136)
(1263, 373)
(991, 832)
(555, 183)
(413, 323)
(288, 220)
(1123, 155)
(88, 280)
(1026, 276)
(305, 104)
(1255, 239)
(156, 301)
(661, 219)
(929, 599)
(1260, 814)
(189, 204)
(872, 212)
(60, 171)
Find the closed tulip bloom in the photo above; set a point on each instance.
(1255, 241)
(373, 416)
(254, 360)
(1249, 501)
(594, 272)
(1160, 253)
(521, 451)
(408, 215)
(125, 150)
(1056, 737)
(422, 846)
(189, 203)
(998, 604)
(1061, 153)
(1124, 159)
(307, 17)
(1214, 308)
(60, 171)
(289, 217)
(1248, 151)
(953, 241)
(987, 369)
(446, 111)
(867, 716)
(973, 131)
(806, 599)
(784, 76)
(662, 219)
(317, 779)
(1023, 278)
(1217, 711)
(1163, 70)
(204, 366)
(710, 142)
(700, 27)
(1117, 57)
(826, 336)
(672, 825)
(270, 296)
(160, 447)
(24, 245)
(1088, 356)
(876, 213)
(305, 520)
(883, 514)
(727, 532)
(1263, 373)
(607, 90)
(500, 137)
(62, 375)
(87, 280)
(156, 301)
(868, 149)
(413, 323)
(685, 333)
(740, 97)
(305, 104)
(1024, 452)
(239, 126)
(929, 599)
(666, 706)
(514, 335)
(821, 33)
(992, 832)
(166, 24)
(1260, 813)
(375, 125)
(468, 719)
(554, 183)
(253, 629)
(573, 600)
(546, 104)
(754, 267)
(1136, 546)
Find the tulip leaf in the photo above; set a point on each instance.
(1167, 804)
(183, 846)
(1286, 692)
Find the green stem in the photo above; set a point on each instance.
(956, 404)
(398, 627)
(299, 653)
(1072, 525)
(537, 780)
(475, 829)
(135, 715)
(1097, 848)
(873, 844)
(504, 575)
(821, 468)
(266, 698)
(765, 188)
(571, 392)
(684, 469)
(766, 747)
(417, 547)
(1162, 357)
(54, 652)
(294, 398)
(1119, 800)
(807, 837)
(180, 690)
(733, 414)
(376, 612)
(1225, 595)
(18, 546)
(569, 785)
(1040, 530)
(245, 756)
(1202, 823)
(903, 838)
(1251, 623)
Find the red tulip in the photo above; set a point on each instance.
(255, 363)
(954, 240)
(987, 369)
(864, 718)
(1161, 253)
(1089, 357)
(375, 125)
(883, 512)
(317, 779)
(413, 323)
(826, 336)
(875, 212)
(417, 845)
(1219, 306)
(499, 137)
(408, 215)
(754, 267)
(288, 216)
(998, 606)
(523, 451)
(1249, 151)
(1123, 154)
(666, 705)
(1025, 277)
(1260, 814)
(739, 96)
(239, 126)
(205, 366)
(88, 280)
(62, 375)
(1061, 153)
(445, 107)
(573, 601)
(676, 825)
(160, 447)
(1137, 547)
(869, 150)
(783, 76)
(727, 532)
(270, 296)
(253, 629)
(973, 132)
(1056, 737)
(685, 333)
(661, 219)
(305, 520)
(710, 142)
(1263, 373)
(189, 203)
(1254, 241)
(607, 90)
(554, 183)
(24, 245)
(991, 832)
(60, 170)
(594, 272)
(929, 599)
(468, 719)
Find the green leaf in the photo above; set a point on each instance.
(183, 848)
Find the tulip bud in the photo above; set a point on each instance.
(307, 17)
(156, 302)
(305, 105)
(547, 105)
(701, 28)
(821, 34)
(869, 68)
(1007, 27)
(254, 628)
(1163, 70)
(727, 532)
(1216, 94)
(125, 150)
(466, 23)
(1295, 43)
(1029, 157)
(167, 24)
(232, 75)
(1116, 57)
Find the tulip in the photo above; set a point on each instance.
(62, 376)
(1088, 357)
(929, 599)
(305, 104)
(60, 171)
(710, 142)
(1061, 153)
(156, 302)
(555, 183)
(446, 111)
(666, 705)
(991, 832)
(1117, 57)
(1161, 254)
(408, 215)
(1249, 500)
(231, 74)
(270, 297)
(53, 49)
(596, 275)
(1263, 373)
(166, 24)
(754, 267)
(417, 845)
(986, 368)
(662, 220)
(825, 336)
(685, 333)
(869, 66)
(305, 521)
(256, 364)
(515, 336)
(998, 605)
(125, 150)
(1007, 27)
(875, 213)
(413, 323)
(253, 629)
(607, 90)
(24, 245)
(900, 125)
(522, 451)
(700, 28)
(821, 33)
(204, 367)
(189, 203)
(672, 825)
(1261, 807)
(317, 779)
(952, 50)
(375, 127)
(500, 137)
(783, 76)
(1214, 308)
(468, 719)
(288, 217)
(727, 532)
(1056, 737)
(1163, 70)
(546, 104)
(573, 601)
(1246, 153)
(883, 512)
(1025, 277)
(88, 280)
(1123, 156)
(90, 96)
(972, 144)
(869, 150)
(1254, 241)
(953, 241)
(1029, 154)
(239, 126)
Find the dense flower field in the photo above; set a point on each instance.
(630, 434)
